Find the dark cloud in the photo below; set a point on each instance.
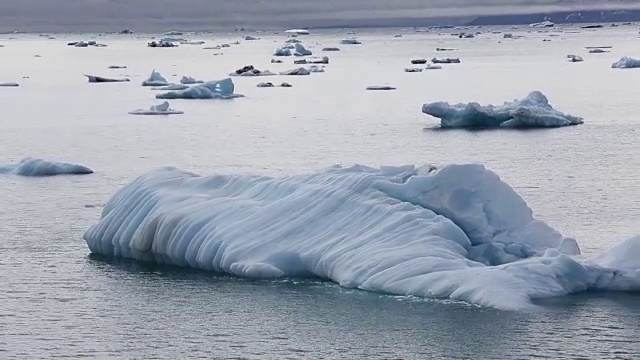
(203, 14)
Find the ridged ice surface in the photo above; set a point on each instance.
(222, 89)
(458, 233)
(40, 167)
(530, 112)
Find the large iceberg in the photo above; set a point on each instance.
(222, 89)
(626, 63)
(39, 167)
(532, 111)
(457, 233)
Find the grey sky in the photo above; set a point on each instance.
(40, 15)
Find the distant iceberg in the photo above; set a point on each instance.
(543, 24)
(189, 80)
(532, 111)
(100, 79)
(250, 70)
(350, 41)
(155, 79)
(331, 49)
(433, 67)
(458, 233)
(446, 61)
(283, 51)
(9, 84)
(575, 58)
(161, 109)
(297, 71)
(316, 69)
(380, 87)
(222, 89)
(297, 31)
(249, 38)
(39, 167)
(117, 67)
(626, 63)
(301, 50)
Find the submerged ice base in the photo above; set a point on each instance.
(532, 111)
(458, 233)
(39, 167)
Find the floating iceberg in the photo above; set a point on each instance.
(446, 61)
(532, 111)
(155, 79)
(100, 79)
(9, 84)
(297, 31)
(265, 84)
(301, 50)
(575, 58)
(249, 38)
(350, 41)
(117, 67)
(297, 71)
(161, 44)
(331, 49)
(283, 51)
(39, 167)
(380, 87)
(190, 80)
(597, 51)
(413, 70)
(418, 61)
(626, 63)
(315, 69)
(543, 24)
(455, 233)
(433, 67)
(162, 109)
(222, 89)
(250, 70)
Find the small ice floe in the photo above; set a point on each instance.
(117, 67)
(397, 35)
(173, 33)
(331, 49)
(419, 61)
(270, 84)
(85, 44)
(507, 36)
(250, 38)
(161, 44)
(250, 70)
(161, 109)
(575, 58)
(466, 36)
(433, 67)
(446, 61)
(155, 79)
(39, 167)
(171, 87)
(543, 24)
(100, 79)
(319, 60)
(223, 89)
(297, 31)
(597, 51)
(9, 84)
(283, 51)
(187, 42)
(189, 80)
(592, 26)
(380, 87)
(626, 63)
(297, 71)
(412, 70)
(301, 50)
(445, 49)
(532, 111)
(350, 41)
(316, 69)
(276, 61)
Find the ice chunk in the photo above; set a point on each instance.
(283, 51)
(164, 43)
(458, 233)
(543, 24)
(419, 61)
(433, 67)
(100, 79)
(117, 67)
(626, 63)
(297, 31)
(297, 71)
(9, 84)
(380, 87)
(532, 111)
(331, 49)
(161, 109)
(350, 41)
(265, 84)
(315, 69)
(412, 70)
(249, 38)
(446, 61)
(188, 42)
(222, 89)
(190, 80)
(597, 51)
(250, 70)
(155, 79)
(39, 167)
(301, 50)
(575, 58)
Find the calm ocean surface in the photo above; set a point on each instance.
(57, 301)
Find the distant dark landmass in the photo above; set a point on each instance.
(560, 17)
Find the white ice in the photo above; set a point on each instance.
(626, 63)
(161, 109)
(190, 80)
(297, 31)
(532, 111)
(222, 89)
(458, 233)
(350, 41)
(301, 50)
(171, 87)
(39, 167)
(155, 79)
(297, 71)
